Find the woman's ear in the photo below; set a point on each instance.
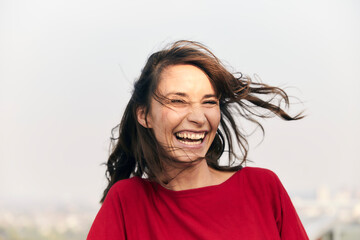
(142, 118)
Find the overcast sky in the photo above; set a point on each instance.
(67, 68)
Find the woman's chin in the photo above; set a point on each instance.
(188, 156)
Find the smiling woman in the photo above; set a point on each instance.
(187, 117)
(165, 177)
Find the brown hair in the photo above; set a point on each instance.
(136, 151)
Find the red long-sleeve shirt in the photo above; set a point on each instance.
(251, 204)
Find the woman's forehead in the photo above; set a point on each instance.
(186, 79)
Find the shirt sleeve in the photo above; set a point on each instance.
(289, 224)
(109, 222)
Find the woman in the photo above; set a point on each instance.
(165, 179)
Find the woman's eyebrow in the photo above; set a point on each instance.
(182, 94)
(177, 93)
(210, 96)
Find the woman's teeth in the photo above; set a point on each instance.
(190, 138)
(190, 143)
(193, 136)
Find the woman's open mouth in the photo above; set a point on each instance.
(190, 138)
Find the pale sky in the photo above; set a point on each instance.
(67, 68)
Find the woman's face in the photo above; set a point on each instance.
(186, 121)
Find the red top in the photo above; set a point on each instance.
(251, 204)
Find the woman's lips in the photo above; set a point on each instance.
(190, 143)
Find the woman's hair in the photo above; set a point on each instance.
(136, 151)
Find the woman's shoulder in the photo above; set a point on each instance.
(130, 186)
(259, 176)
(258, 171)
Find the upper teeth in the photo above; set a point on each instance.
(191, 135)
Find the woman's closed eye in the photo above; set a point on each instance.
(177, 101)
(211, 102)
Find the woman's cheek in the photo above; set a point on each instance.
(174, 116)
(213, 116)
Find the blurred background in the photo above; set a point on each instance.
(66, 73)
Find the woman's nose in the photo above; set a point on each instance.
(196, 115)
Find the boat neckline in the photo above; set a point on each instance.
(199, 190)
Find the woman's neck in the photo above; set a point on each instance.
(197, 176)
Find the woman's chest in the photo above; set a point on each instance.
(211, 216)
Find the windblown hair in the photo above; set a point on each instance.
(136, 151)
